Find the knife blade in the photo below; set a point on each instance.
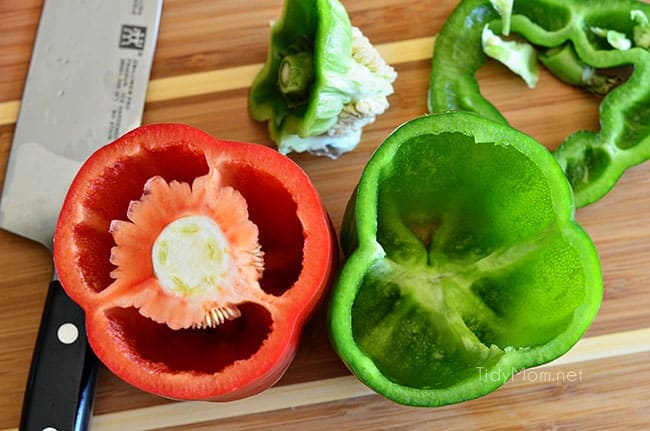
(85, 87)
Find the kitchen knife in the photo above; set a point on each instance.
(86, 86)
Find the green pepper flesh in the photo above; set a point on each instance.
(465, 263)
(592, 161)
(322, 82)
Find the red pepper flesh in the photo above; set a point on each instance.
(242, 356)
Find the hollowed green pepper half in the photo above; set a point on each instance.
(465, 263)
(582, 42)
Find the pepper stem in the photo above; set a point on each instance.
(296, 74)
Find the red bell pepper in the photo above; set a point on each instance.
(197, 261)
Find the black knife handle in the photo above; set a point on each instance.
(61, 385)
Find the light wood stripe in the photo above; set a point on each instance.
(9, 112)
(195, 84)
(335, 389)
(233, 78)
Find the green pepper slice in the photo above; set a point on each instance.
(465, 263)
(592, 30)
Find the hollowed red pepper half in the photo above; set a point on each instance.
(197, 261)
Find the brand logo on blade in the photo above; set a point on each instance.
(133, 37)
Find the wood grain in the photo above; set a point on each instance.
(598, 399)
(237, 77)
(567, 368)
(205, 51)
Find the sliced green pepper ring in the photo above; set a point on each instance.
(465, 264)
(592, 161)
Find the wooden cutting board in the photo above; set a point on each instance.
(208, 53)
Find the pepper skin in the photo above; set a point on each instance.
(226, 357)
(592, 161)
(322, 81)
(465, 263)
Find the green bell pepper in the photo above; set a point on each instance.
(584, 38)
(465, 264)
(322, 81)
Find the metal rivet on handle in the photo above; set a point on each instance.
(67, 334)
